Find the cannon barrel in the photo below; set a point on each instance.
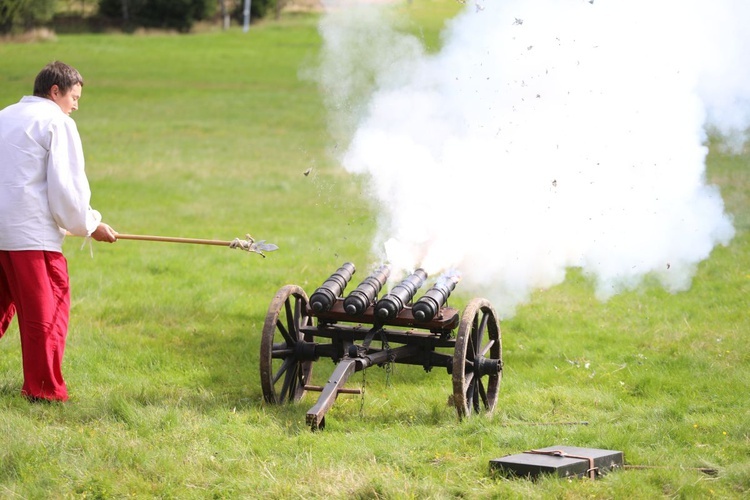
(361, 297)
(325, 295)
(391, 304)
(430, 303)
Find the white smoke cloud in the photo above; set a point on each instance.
(544, 135)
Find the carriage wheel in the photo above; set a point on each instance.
(477, 359)
(285, 363)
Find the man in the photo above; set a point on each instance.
(44, 192)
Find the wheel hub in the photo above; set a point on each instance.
(305, 351)
(487, 366)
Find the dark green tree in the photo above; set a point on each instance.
(22, 15)
(170, 14)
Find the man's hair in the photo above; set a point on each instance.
(56, 73)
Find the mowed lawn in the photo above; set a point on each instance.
(210, 136)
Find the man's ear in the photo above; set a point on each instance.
(54, 90)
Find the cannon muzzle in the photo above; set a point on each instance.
(430, 303)
(361, 297)
(391, 304)
(325, 295)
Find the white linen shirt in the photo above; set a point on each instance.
(43, 186)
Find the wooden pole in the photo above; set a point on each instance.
(169, 239)
(248, 244)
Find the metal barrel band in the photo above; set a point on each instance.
(592, 470)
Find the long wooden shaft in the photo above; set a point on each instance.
(168, 239)
(249, 244)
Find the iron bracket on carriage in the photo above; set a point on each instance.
(360, 330)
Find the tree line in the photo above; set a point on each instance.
(18, 16)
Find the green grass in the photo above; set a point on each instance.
(208, 136)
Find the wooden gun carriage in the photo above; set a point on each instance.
(299, 331)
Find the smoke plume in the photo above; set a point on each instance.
(542, 136)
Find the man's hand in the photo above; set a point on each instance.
(104, 233)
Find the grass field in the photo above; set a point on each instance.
(208, 136)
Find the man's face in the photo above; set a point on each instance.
(67, 102)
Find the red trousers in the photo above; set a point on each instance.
(35, 285)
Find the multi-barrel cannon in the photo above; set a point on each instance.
(299, 331)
